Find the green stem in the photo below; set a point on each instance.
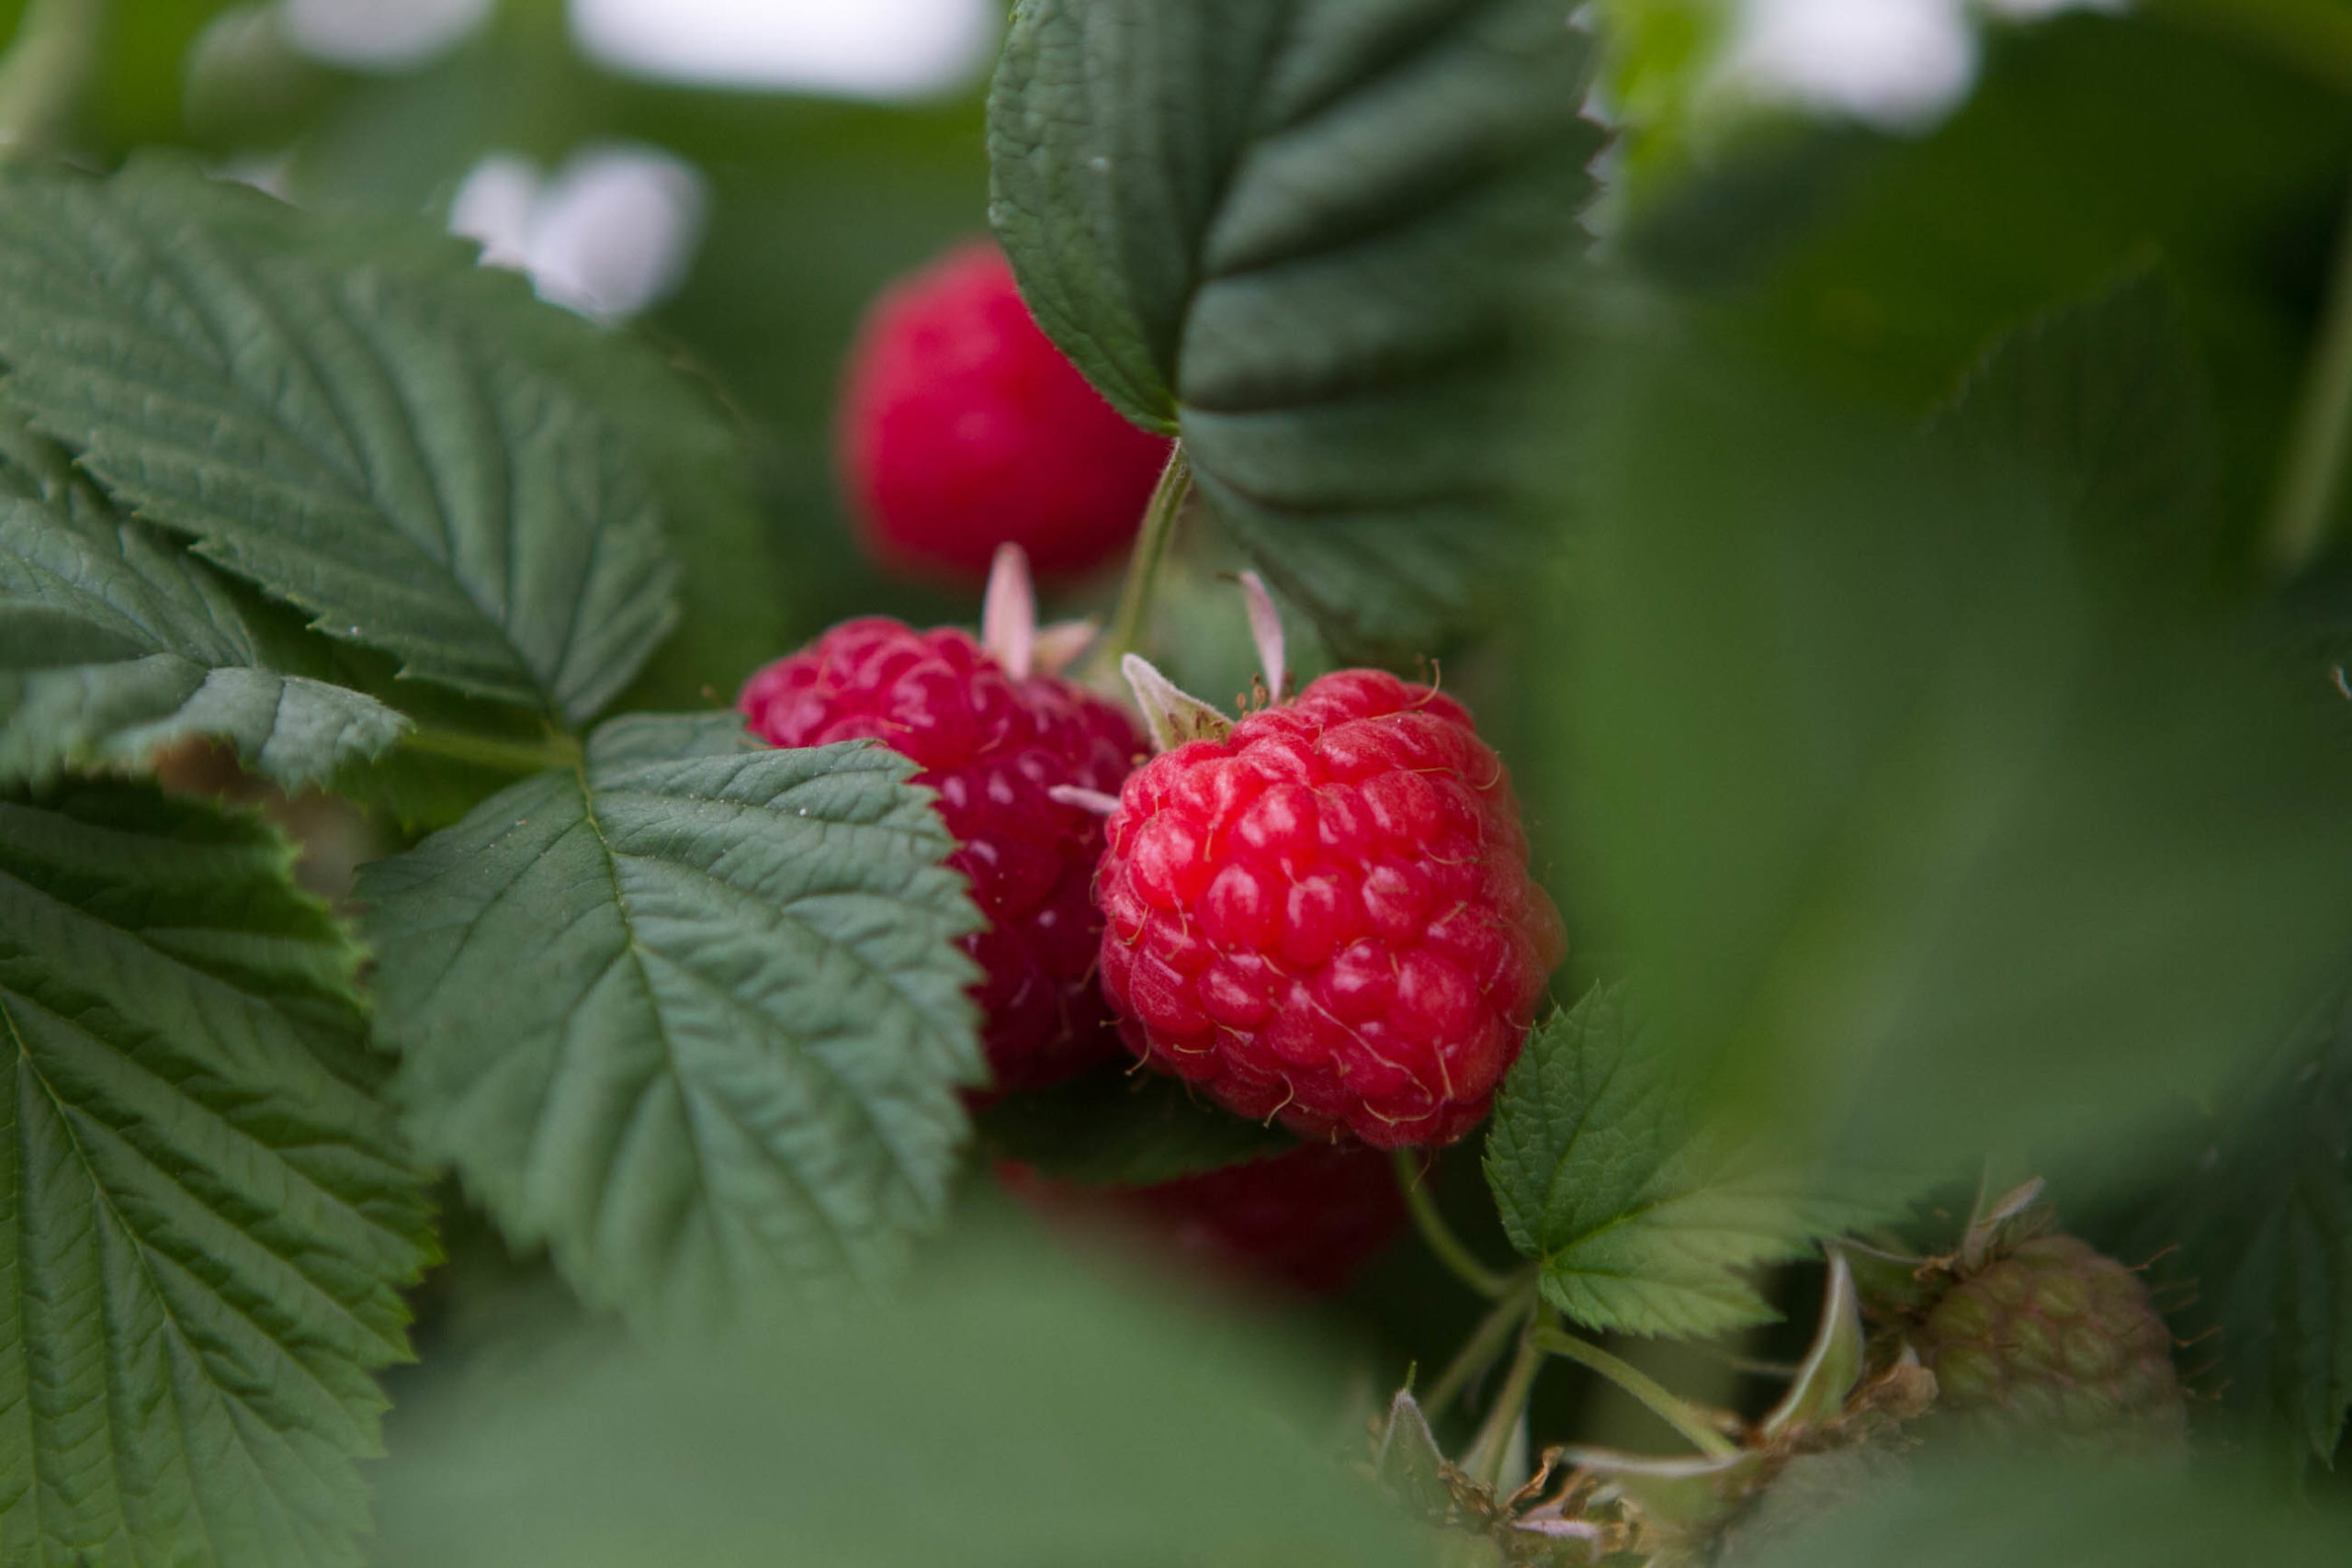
(1440, 1236)
(1492, 1447)
(1478, 1352)
(1143, 566)
(1676, 1413)
(1750, 1366)
(2311, 489)
(558, 751)
(45, 73)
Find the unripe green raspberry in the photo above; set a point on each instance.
(2055, 1337)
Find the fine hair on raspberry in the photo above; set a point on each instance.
(1325, 915)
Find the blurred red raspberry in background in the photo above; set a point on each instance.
(1306, 1221)
(961, 427)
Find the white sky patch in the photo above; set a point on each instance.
(610, 233)
(2033, 10)
(858, 49)
(379, 35)
(494, 205)
(1898, 64)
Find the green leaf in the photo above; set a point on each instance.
(1664, 73)
(2055, 1511)
(734, 591)
(207, 1208)
(336, 433)
(2249, 1238)
(1928, 830)
(1642, 1218)
(2073, 159)
(115, 644)
(692, 1014)
(1305, 236)
(2108, 400)
(1013, 1415)
(1115, 1128)
(1408, 1464)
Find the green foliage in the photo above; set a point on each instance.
(207, 1211)
(1643, 1219)
(1935, 834)
(1407, 1462)
(115, 644)
(329, 431)
(652, 399)
(2106, 400)
(690, 1014)
(1307, 238)
(1121, 1128)
(2050, 1513)
(1659, 56)
(1010, 1416)
(2076, 157)
(2250, 1239)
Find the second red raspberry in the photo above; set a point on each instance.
(993, 746)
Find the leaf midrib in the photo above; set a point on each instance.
(348, 1212)
(138, 1249)
(21, 1350)
(344, 1207)
(636, 951)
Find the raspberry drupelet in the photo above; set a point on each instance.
(1323, 914)
(994, 739)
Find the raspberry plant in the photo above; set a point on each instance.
(478, 1097)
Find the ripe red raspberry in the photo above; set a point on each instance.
(1326, 915)
(1307, 1220)
(962, 426)
(992, 741)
